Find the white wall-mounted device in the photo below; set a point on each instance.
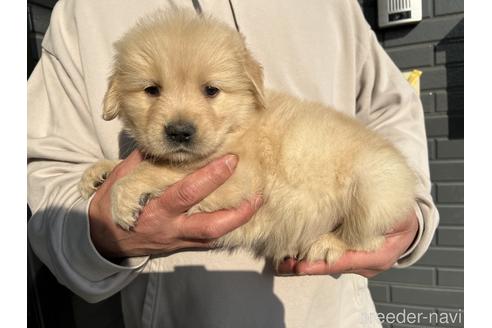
(397, 12)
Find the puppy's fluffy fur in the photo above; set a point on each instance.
(329, 184)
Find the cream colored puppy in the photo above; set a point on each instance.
(188, 91)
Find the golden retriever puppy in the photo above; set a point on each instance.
(188, 90)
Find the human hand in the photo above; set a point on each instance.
(163, 225)
(367, 264)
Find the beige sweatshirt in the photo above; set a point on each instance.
(320, 50)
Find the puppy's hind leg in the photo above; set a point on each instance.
(95, 176)
(350, 235)
(328, 247)
(366, 214)
(362, 222)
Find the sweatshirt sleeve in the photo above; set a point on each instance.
(387, 104)
(61, 144)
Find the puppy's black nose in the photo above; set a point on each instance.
(180, 132)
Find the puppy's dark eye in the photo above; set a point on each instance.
(210, 91)
(153, 91)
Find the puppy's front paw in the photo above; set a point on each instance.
(127, 202)
(125, 206)
(94, 177)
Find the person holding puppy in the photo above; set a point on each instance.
(164, 279)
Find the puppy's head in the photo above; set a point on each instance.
(183, 85)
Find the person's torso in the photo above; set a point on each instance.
(305, 52)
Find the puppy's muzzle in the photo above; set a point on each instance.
(180, 132)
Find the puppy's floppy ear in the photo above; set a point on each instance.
(111, 104)
(254, 71)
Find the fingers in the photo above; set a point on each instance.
(195, 187)
(193, 244)
(287, 266)
(358, 262)
(202, 229)
(347, 263)
(367, 273)
(206, 226)
(352, 261)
